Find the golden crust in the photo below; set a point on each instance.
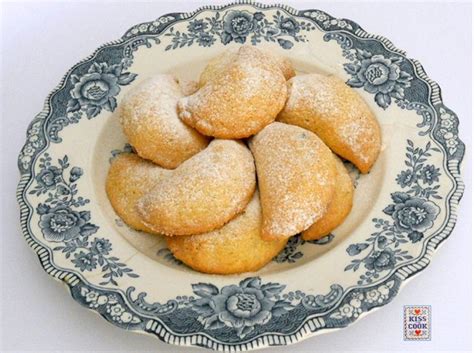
(204, 192)
(238, 98)
(217, 65)
(296, 178)
(150, 121)
(128, 179)
(280, 62)
(187, 87)
(235, 248)
(339, 207)
(326, 106)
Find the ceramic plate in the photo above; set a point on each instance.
(402, 212)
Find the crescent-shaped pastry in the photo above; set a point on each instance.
(238, 99)
(235, 248)
(129, 178)
(203, 193)
(339, 207)
(150, 121)
(218, 64)
(332, 110)
(296, 178)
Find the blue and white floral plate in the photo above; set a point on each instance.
(402, 210)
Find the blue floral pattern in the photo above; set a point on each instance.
(127, 148)
(238, 26)
(378, 75)
(89, 93)
(327, 22)
(61, 222)
(448, 130)
(382, 258)
(166, 254)
(243, 311)
(361, 301)
(240, 307)
(419, 176)
(109, 305)
(96, 90)
(291, 253)
(412, 213)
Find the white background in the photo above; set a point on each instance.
(41, 41)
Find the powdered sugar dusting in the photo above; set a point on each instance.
(296, 174)
(238, 99)
(150, 120)
(254, 78)
(188, 87)
(327, 106)
(240, 226)
(139, 174)
(145, 100)
(129, 178)
(235, 248)
(357, 134)
(204, 192)
(306, 90)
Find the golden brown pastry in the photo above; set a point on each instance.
(129, 178)
(218, 65)
(337, 114)
(188, 87)
(238, 99)
(203, 193)
(296, 178)
(339, 207)
(283, 63)
(235, 248)
(150, 121)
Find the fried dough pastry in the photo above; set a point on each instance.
(235, 248)
(296, 177)
(339, 207)
(129, 178)
(148, 114)
(203, 193)
(332, 110)
(238, 97)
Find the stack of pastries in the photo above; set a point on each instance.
(228, 168)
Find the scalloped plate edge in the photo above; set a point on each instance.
(312, 325)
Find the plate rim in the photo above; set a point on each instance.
(307, 328)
